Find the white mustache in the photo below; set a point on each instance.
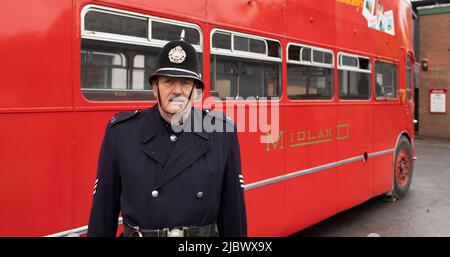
(179, 99)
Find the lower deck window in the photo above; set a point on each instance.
(116, 71)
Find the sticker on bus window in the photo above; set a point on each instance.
(372, 22)
(381, 22)
(389, 16)
(373, 11)
(368, 8)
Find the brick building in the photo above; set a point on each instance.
(433, 36)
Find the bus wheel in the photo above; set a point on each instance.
(403, 170)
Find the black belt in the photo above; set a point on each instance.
(182, 231)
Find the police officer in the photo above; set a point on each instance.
(166, 176)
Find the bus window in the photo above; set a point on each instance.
(409, 81)
(244, 66)
(250, 45)
(118, 52)
(112, 67)
(354, 77)
(114, 23)
(168, 32)
(385, 80)
(221, 41)
(310, 73)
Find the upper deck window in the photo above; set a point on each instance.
(244, 66)
(119, 51)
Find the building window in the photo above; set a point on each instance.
(310, 73)
(119, 51)
(354, 77)
(386, 80)
(244, 66)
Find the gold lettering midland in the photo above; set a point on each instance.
(308, 137)
(342, 131)
(280, 141)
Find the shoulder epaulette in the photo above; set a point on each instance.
(122, 116)
(219, 115)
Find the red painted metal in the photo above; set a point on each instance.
(50, 134)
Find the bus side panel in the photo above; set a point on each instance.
(352, 31)
(89, 131)
(354, 135)
(265, 210)
(264, 16)
(310, 142)
(260, 161)
(36, 173)
(36, 54)
(405, 25)
(386, 132)
(191, 8)
(305, 18)
(35, 117)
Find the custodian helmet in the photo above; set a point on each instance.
(178, 59)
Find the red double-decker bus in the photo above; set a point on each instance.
(339, 72)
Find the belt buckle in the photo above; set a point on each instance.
(135, 231)
(176, 232)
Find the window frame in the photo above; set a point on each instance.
(149, 41)
(246, 55)
(243, 54)
(130, 40)
(311, 64)
(410, 58)
(350, 68)
(384, 98)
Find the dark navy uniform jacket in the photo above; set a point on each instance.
(159, 183)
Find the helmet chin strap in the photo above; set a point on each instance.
(161, 105)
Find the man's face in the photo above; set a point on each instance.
(173, 93)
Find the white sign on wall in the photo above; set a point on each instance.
(438, 100)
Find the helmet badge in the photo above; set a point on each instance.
(177, 55)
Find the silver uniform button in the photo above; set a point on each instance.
(155, 193)
(199, 194)
(173, 138)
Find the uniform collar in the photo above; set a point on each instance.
(152, 124)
